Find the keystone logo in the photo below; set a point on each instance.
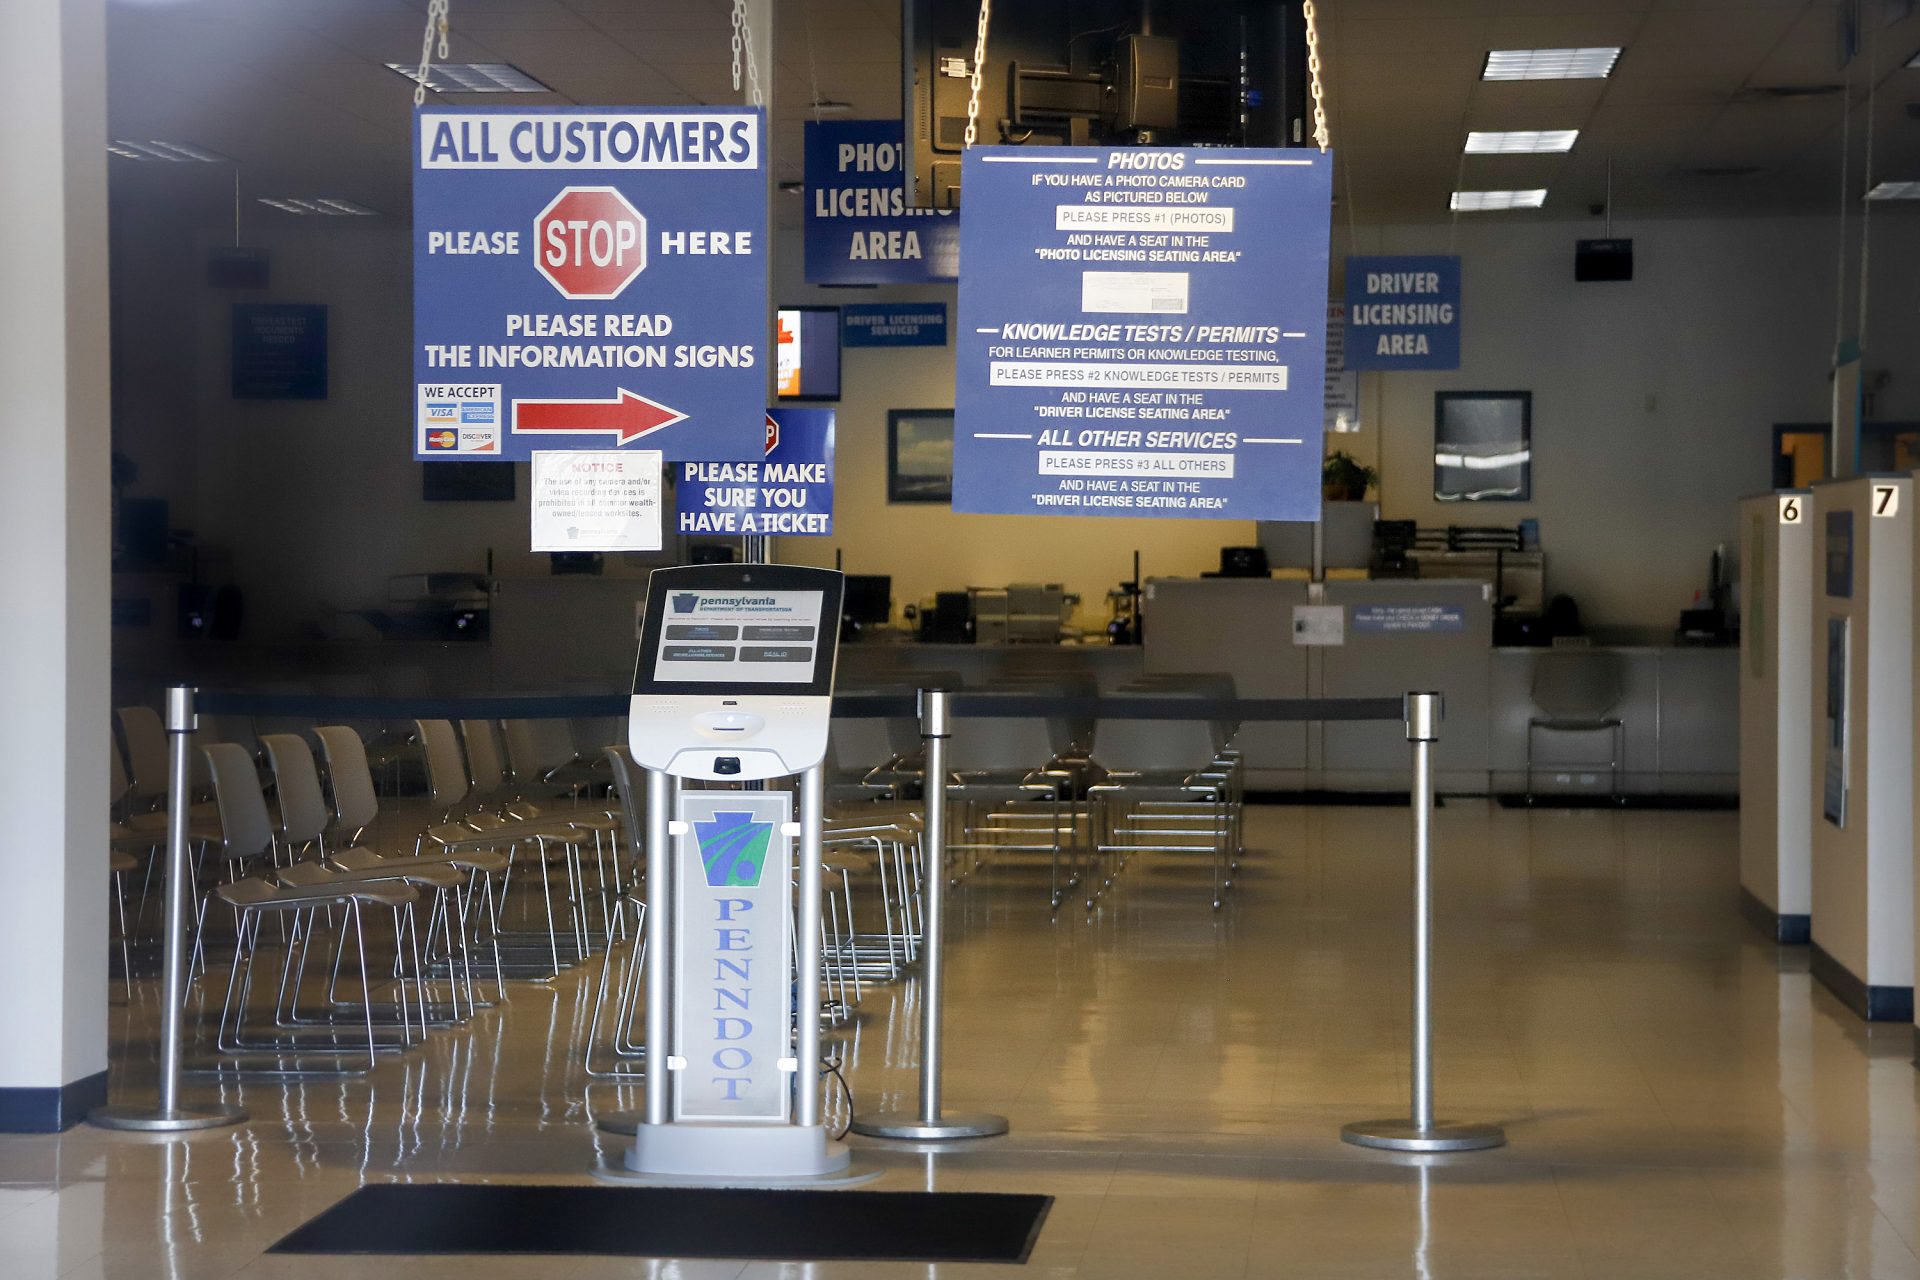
(734, 848)
(685, 602)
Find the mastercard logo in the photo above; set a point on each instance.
(442, 440)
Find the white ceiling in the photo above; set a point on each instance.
(296, 91)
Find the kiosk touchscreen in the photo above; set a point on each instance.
(735, 676)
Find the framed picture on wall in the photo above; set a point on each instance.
(1482, 446)
(920, 455)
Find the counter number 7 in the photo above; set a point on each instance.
(1886, 500)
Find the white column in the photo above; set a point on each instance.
(54, 562)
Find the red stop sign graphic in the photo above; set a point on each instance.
(590, 242)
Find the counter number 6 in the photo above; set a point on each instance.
(1791, 512)
(1886, 500)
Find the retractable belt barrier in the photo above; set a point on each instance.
(934, 708)
(846, 706)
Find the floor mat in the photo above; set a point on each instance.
(649, 1222)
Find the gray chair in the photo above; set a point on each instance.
(1576, 691)
(356, 807)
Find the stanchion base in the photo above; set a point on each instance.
(624, 1123)
(1403, 1135)
(909, 1125)
(152, 1120)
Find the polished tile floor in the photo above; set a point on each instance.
(1682, 1101)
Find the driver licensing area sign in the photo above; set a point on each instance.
(1142, 332)
(589, 278)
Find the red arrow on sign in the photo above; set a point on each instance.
(627, 415)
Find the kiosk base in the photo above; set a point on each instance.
(721, 1155)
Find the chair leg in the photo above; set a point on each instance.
(126, 946)
(1529, 782)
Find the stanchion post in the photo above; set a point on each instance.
(660, 796)
(169, 1116)
(1420, 1132)
(929, 1123)
(806, 1003)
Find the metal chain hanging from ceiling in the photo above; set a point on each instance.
(979, 67)
(1322, 135)
(743, 51)
(439, 17)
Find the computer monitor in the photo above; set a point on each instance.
(734, 679)
(869, 599)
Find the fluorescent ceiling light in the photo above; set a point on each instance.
(1895, 191)
(1484, 201)
(1550, 64)
(156, 149)
(471, 77)
(327, 206)
(1515, 142)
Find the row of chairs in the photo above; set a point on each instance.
(1085, 793)
(343, 951)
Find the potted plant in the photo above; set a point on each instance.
(1343, 479)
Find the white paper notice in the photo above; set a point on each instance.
(596, 500)
(1319, 624)
(1160, 293)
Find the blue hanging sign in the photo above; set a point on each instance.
(1403, 313)
(789, 492)
(1142, 332)
(894, 324)
(587, 278)
(858, 227)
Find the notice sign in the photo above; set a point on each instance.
(589, 279)
(1408, 619)
(1403, 313)
(733, 1009)
(279, 351)
(858, 227)
(1142, 332)
(897, 324)
(789, 492)
(596, 500)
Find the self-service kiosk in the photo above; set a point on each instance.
(1776, 700)
(734, 689)
(1860, 793)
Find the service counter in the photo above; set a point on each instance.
(1679, 707)
(907, 663)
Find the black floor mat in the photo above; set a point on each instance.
(649, 1222)
(1518, 800)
